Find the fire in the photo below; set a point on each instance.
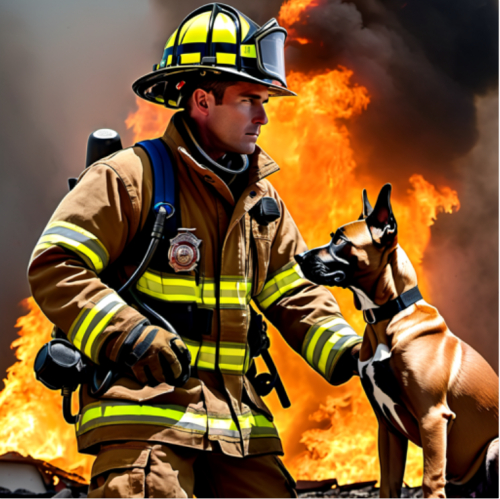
(31, 421)
(330, 431)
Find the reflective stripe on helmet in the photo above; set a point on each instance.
(326, 341)
(91, 322)
(77, 240)
(235, 292)
(282, 282)
(101, 414)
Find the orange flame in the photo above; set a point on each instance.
(330, 431)
(31, 421)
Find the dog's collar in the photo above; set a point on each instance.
(393, 307)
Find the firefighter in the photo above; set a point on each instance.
(155, 432)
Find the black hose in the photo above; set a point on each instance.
(156, 236)
(66, 406)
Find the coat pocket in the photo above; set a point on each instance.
(120, 471)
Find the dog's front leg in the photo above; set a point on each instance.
(433, 432)
(392, 449)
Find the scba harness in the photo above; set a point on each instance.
(60, 366)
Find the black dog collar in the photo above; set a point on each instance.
(393, 307)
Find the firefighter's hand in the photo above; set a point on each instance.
(157, 356)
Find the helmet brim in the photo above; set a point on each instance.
(144, 86)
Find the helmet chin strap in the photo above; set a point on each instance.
(213, 165)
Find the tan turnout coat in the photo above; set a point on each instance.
(240, 261)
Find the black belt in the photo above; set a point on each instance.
(393, 307)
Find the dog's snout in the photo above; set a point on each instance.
(299, 258)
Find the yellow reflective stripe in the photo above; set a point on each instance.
(113, 413)
(224, 30)
(101, 414)
(233, 357)
(171, 40)
(317, 332)
(197, 30)
(193, 58)
(257, 426)
(245, 27)
(224, 58)
(91, 322)
(234, 292)
(286, 279)
(325, 342)
(169, 60)
(78, 240)
(248, 51)
(206, 359)
(193, 347)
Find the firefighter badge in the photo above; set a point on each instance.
(184, 253)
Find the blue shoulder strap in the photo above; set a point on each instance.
(164, 192)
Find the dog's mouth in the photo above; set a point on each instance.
(318, 272)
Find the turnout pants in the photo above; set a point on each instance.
(146, 469)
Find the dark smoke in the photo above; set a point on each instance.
(431, 69)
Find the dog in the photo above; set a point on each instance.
(424, 383)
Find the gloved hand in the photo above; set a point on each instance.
(155, 356)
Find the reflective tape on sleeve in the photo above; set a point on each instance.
(80, 241)
(326, 341)
(91, 322)
(282, 282)
(101, 414)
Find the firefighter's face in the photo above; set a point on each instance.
(235, 125)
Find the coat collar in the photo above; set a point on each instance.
(261, 165)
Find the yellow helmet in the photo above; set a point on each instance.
(217, 39)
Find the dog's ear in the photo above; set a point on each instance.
(367, 207)
(381, 221)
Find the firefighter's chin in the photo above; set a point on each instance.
(247, 143)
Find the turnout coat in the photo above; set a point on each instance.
(94, 230)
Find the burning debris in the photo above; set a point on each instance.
(22, 476)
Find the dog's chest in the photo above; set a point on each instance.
(381, 387)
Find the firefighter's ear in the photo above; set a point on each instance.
(199, 102)
(367, 207)
(381, 221)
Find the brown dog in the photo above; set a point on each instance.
(424, 383)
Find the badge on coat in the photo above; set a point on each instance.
(184, 253)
